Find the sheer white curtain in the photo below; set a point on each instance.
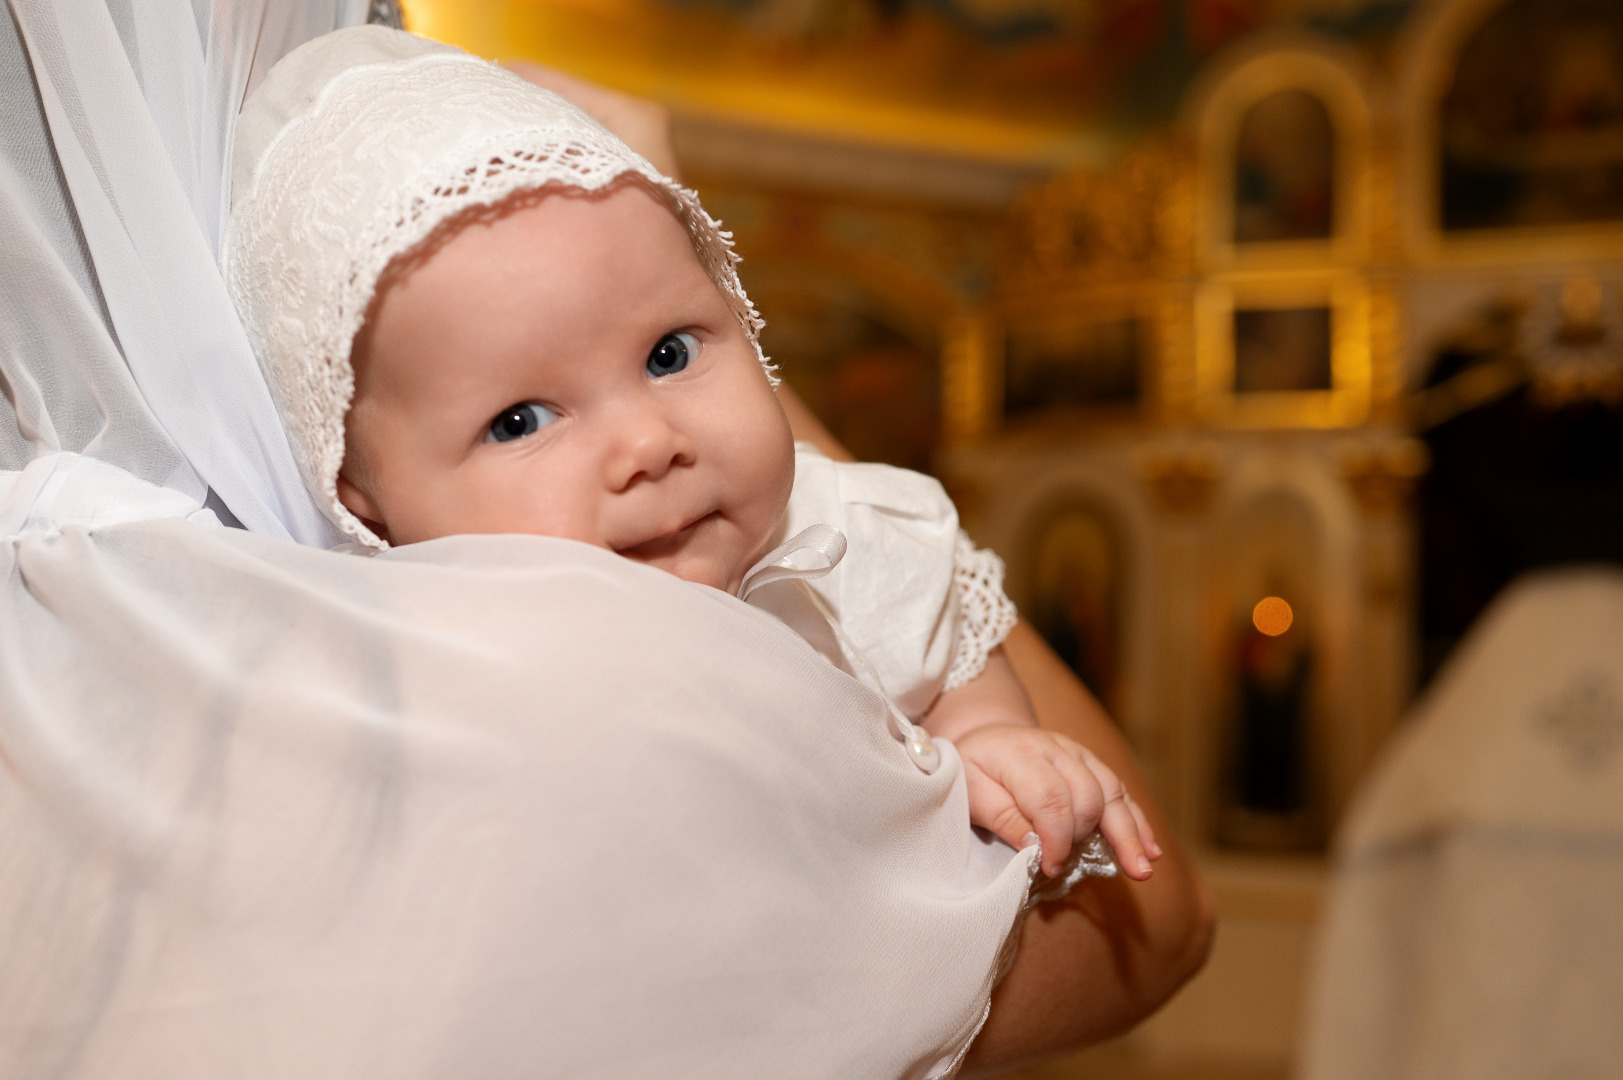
(487, 807)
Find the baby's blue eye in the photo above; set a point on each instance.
(517, 421)
(672, 354)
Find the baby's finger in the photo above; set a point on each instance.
(1120, 828)
(1044, 797)
(992, 807)
(1087, 793)
(1117, 821)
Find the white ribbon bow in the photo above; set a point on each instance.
(812, 553)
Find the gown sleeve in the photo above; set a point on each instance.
(913, 593)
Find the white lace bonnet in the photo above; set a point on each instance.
(353, 150)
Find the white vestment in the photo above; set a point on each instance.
(1475, 923)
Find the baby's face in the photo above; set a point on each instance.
(568, 369)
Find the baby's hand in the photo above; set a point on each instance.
(1024, 780)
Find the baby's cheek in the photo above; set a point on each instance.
(429, 504)
(773, 483)
(779, 460)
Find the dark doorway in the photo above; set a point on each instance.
(1515, 485)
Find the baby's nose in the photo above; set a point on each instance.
(646, 446)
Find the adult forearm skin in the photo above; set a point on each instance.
(1096, 963)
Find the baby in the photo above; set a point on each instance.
(481, 313)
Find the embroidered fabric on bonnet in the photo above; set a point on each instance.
(356, 148)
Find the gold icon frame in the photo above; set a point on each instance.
(1346, 403)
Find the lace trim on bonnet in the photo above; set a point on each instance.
(355, 149)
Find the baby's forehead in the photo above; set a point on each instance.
(550, 274)
(513, 219)
(556, 245)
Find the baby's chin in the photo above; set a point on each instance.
(695, 567)
(703, 553)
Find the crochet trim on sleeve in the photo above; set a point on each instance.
(986, 614)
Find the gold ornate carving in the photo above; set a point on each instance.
(1573, 345)
(1127, 222)
(1382, 477)
(1176, 386)
(1181, 480)
(1386, 344)
(1384, 184)
(1178, 216)
(971, 376)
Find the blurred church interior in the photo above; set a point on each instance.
(1267, 340)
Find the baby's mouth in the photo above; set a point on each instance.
(666, 544)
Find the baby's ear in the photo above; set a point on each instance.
(361, 505)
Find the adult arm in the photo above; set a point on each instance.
(1107, 956)
(1097, 962)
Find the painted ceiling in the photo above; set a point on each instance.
(1016, 80)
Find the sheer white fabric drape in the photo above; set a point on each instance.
(490, 806)
(113, 174)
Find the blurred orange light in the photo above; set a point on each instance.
(1272, 616)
